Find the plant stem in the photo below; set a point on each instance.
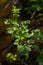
(33, 14)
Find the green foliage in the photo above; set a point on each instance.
(16, 12)
(23, 49)
(11, 57)
(38, 34)
(36, 47)
(35, 4)
(40, 58)
(31, 6)
(20, 32)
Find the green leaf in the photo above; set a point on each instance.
(40, 58)
(36, 47)
(10, 30)
(38, 8)
(9, 54)
(24, 48)
(15, 10)
(8, 21)
(30, 41)
(14, 57)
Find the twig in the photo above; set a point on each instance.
(33, 14)
(6, 49)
